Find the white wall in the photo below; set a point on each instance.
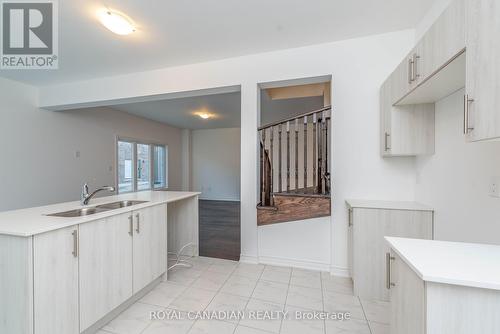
(216, 163)
(38, 164)
(456, 180)
(187, 170)
(358, 68)
(304, 243)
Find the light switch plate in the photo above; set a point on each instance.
(494, 186)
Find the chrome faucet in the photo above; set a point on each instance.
(86, 197)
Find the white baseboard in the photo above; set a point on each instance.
(340, 271)
(287, 262)
(249, 259)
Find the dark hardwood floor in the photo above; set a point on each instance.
(220, 229)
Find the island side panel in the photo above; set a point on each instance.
(183, 225)
(16, 284)
(454, 309)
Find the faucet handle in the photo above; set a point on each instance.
(85, 188)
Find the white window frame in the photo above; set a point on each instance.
(134, 143)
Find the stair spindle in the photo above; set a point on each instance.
(314, 148)
(271, 139)
(280, 180)
(305, 152)
(319, 139)
(287, 156)
(296, 154)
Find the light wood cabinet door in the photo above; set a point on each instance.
(406, 130)
(55, 278)
(369, 247)
(385, 118)
(149, 245)
(444, 40)
(105, 267)
(407, 299)
(400, 83)
(483, 69)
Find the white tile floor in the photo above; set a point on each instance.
(220, 285)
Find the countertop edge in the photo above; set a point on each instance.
(99, 216)
(441, 280)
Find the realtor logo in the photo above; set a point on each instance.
(29, 34)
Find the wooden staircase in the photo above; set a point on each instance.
(294, 169)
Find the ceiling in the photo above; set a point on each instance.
(182, 112)
(172, 32)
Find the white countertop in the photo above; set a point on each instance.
(457, 263)
(28, 222)
(387, 205)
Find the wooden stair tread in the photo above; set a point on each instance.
(289, 208)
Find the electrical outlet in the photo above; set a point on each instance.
(494, 191)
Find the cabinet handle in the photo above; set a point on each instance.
(388, 259)
(467, 127)
(131, 226)
(410, 70)
(75, 243)
(415, 74)
(386, 142)
(138, 229)
(350, 217)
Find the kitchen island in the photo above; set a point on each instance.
(69, 275)
(440, 287)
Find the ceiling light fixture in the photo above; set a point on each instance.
(117, 22)
(204, 115)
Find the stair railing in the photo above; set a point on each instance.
(313, 154)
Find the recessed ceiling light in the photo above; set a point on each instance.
(204, 115)
(116, 22)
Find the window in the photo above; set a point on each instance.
(141, 166)
(160, 166)
(125, 167)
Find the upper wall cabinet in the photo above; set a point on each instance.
(406, 130)
(444, 40)
(460, 49)
(482, 101)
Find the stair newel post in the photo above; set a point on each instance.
(280, 180)
(327, 175)
(324, 147)
(314, 148)
(296, 154)
(305, 152)
(271, 186)
(287, 156)
(261, 168)
(264, 174)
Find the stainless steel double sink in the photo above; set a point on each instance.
(87, 211)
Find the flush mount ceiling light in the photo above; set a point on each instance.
(204, 115)
(117, 22)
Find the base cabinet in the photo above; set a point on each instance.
(407, 295)
(66, 280)
(421, 307)
(368, 248)
(55, 282)
(149, 245)
(105, 267)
